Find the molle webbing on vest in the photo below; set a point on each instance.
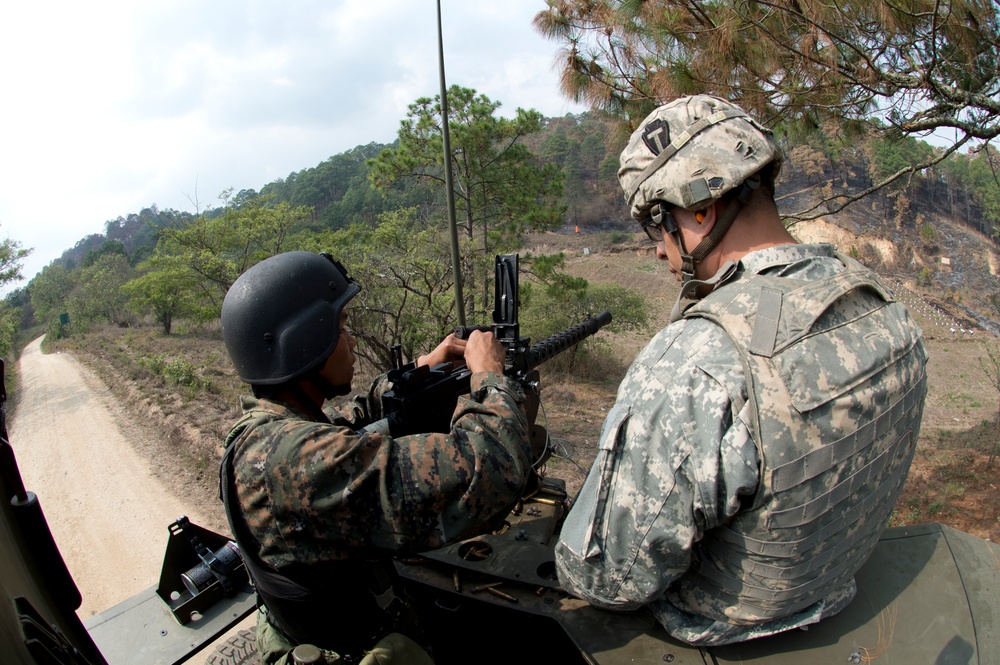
(742, 592)
(815, 510)
(835, 383)
(830, 531)
(826, 569)
(755, 568)
(817, 461)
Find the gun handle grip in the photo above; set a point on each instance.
(463, 332)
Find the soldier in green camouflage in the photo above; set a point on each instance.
(318, 508)
(759, 442)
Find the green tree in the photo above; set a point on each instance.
(167, 293)
(407, 289)
(217, 250)
(555, 147)
(11, 256)
(48, 292)
(98, 296)
(501, 190)
(339, 192)
(887, 156)
(899, 68)
(955, 172)
(108, 248)
(10, 319)
(985, 184)
(592, 153)
(555, 300)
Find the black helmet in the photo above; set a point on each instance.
(281, 318)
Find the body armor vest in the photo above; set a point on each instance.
(344, 606)
(835, 374)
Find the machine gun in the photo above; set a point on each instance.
(423, 399)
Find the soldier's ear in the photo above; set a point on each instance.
(698, 223)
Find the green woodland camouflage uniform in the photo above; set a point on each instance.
(315, 492)
(735, 511)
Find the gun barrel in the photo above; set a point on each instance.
(556, 344)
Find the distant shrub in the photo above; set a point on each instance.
(154, 364)
(925, 278)
(175, 370)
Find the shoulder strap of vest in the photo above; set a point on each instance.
(226, 465)
(780, 315)
(812, 300)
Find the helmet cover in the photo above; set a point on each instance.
(692, 151)
(281, 318)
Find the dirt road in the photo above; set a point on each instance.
(77, 451)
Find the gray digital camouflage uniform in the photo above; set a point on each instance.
(314, 492)
(735, 511)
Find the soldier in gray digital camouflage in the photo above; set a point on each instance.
(759, 442)
(318, 508)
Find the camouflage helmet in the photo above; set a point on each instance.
(281, 318)
(690, 152)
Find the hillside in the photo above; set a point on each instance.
(584, 149)
(183, 387)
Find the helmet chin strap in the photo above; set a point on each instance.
(690, 287)
(326, 388)
(712, 240)
(323, 386)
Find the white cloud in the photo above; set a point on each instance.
(111, 106)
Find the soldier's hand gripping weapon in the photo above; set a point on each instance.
(423, 399)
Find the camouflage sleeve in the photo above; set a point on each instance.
(330, 489)
(363, 409)
(672, 463)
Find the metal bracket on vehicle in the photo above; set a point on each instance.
(200, 568)
(144, 630)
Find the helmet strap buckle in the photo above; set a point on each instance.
(743, 194)
(689, 287)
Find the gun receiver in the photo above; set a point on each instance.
(423, 399)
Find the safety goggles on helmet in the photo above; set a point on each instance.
(659, 220)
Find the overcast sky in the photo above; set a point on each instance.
(109, 106)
